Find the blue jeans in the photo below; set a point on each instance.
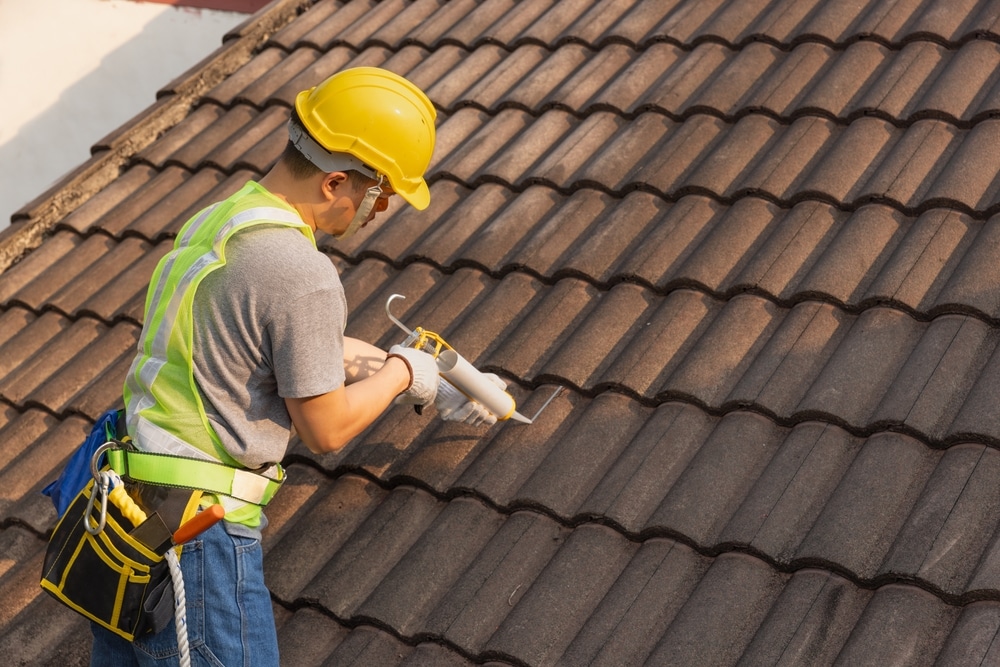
(229, 617)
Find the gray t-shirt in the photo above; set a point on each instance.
(267, 326)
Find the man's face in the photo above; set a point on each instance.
(344, 200)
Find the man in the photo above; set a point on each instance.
(243, 341)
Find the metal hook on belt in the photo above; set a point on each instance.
(105, 481)
(102, 480)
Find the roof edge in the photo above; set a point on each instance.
(30, 224)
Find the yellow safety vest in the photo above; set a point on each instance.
(164, 411)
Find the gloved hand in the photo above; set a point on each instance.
(424, 376)
(454, 406)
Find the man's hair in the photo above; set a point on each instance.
(301, 168)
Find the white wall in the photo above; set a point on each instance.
(71, 71)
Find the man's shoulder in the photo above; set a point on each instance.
(281, 254)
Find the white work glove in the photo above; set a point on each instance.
(454, 406)
(424, 376)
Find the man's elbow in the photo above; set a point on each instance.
(325, 443)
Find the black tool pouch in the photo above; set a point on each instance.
(111, 578)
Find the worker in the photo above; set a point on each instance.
(243, 342)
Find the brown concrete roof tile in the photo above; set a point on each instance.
(732, 339)
(181, 135)
(973, 188)
(336, 509)
(652, 150)
(794, 357)
(589, 446)
(80, 261)
(959, 90)
(640, 605)
(495, 79)
(132, 186)
(977, 267)
(596, 152)
(902, 82)
(947, 532)
(49, 356)
(792, 244)
(24, 334)
(787, 498)
(939, 373)
(815, 158)
(734, 76)
(269, 64)
(809, 622)
(316, 66)
(325, 23)
(599, 335)
(836, 88)
(487, 590)
(357, 569)
(35, 445)
(401, 17)
(639, 84)
(718, 477)
(324, 634)
(974, 413)
(912, 608)
(432, 565)
(287, 36)
(88, 383)
(913, 164)
(369, 646)
(668, 330)
(258, 145)
(656, 457)
(203, 149)
(28, 277)
(85, 289)
(973, 637)
(751, 588)
(864, 238)
(875, 348)
(475, 26)
(641, 23)
(37, 629)
(573, 582)
(923, 261)
(893, 470)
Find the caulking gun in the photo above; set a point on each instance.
(456, 370)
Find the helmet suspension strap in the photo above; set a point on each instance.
(364, 210)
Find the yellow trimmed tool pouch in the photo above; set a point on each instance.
(109, 577)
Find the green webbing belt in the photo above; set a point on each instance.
(181, 472)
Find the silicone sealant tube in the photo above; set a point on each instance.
(477, 386)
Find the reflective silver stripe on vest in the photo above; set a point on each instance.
(142, 396)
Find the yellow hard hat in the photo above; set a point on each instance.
(378, 117)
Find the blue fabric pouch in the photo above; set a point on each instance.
(77, 473)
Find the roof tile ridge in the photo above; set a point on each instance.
(29, 231)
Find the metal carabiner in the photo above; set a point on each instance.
(102, 482)
(105, 481)
(94, 470)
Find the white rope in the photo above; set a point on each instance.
(180, 607)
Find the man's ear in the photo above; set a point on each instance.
(331, 182)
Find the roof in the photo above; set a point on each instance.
(754, 241)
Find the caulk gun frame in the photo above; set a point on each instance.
(419, 338)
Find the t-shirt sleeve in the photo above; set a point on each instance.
(307, 344)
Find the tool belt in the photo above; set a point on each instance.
(105, 560)
(110, 577)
